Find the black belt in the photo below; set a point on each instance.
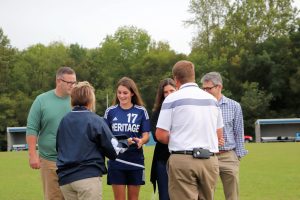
(187, 152)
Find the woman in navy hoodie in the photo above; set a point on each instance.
(83, 142)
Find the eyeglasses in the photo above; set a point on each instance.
(68, 82)
(209, 88)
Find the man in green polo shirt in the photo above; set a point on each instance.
(43, 119)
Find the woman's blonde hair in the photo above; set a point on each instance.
(83, 94)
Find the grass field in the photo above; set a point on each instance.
(269, 172)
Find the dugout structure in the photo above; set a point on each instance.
(277, 129)
(16, 138)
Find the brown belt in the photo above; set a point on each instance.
(223, 151)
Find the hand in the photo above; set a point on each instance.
(139, 142)
(34, 161)
(130, 141)
(221, 141)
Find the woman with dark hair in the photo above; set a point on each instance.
(128, 118)
(161, 151)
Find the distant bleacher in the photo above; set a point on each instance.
(16, 138)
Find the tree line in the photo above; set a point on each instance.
(255, 45)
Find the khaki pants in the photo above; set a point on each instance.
(192, 179)
(85, 189)
(229, 173)
(50, 180)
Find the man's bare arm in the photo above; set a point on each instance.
(34, 160)
(220, 136)
(162, 135)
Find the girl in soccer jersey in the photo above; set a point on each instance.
(128, 118)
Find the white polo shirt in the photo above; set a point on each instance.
(192, 117)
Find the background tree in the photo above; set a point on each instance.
(209, 15)
(255, 103)
(115, 58)
(7, 58)
(7, 54)
(79, 60)
(253, 44)
(154, 67)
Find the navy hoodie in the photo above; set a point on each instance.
(83, 141)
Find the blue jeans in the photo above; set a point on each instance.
(162, 180)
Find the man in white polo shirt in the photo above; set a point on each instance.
(190, 121)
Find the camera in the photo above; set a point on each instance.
(201, 153)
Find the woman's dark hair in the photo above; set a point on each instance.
(160, 93)
(131, 86)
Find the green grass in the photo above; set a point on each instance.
(269, 171)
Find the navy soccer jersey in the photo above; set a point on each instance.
(131, 122)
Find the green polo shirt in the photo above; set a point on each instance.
(43, 119)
